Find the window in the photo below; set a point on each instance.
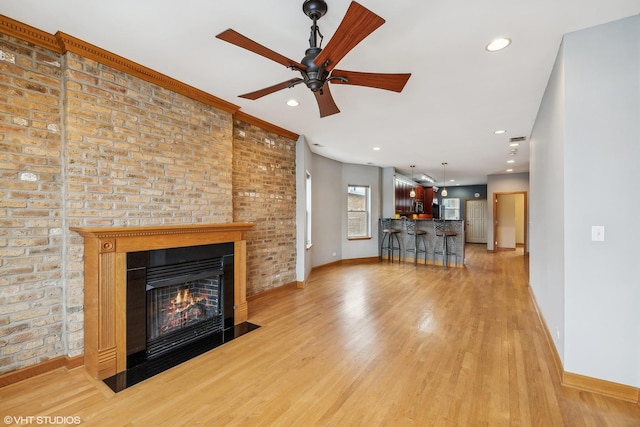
(307, 228)
(358, 212)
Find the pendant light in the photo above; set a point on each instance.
(412, 193)
(444, 179)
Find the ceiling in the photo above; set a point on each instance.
(457, 96)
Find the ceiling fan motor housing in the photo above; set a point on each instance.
(315, 9)
(313, 76)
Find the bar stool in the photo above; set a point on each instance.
(415, 239)
(446, 238)
(389, 239)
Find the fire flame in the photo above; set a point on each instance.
(183, 296)
(184, 300)
(183, 309)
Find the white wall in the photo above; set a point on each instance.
(584, 161)
(327, 201)
(388, 188)
(546, 206)
(303, 164)
(602, 158)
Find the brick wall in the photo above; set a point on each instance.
(82, 144)
(31, 206)
(136, 154)
(264, 187)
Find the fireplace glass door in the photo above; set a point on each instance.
(177, 296)
(180, 313)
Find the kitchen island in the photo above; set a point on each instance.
(434, 254)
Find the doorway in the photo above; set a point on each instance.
(510, 219)
(475, 213)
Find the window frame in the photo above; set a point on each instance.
(353, 189)
(308, 212)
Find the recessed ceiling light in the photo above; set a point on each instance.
(509, 170)
(498, 44)
(500, 132)
(514, 144)
(376, 148)
(511, 161)
(293, 103)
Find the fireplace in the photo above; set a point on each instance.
(126, 285)
(180, 303)
(176, 296)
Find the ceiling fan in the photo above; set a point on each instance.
(317, 66)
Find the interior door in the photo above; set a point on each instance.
(506, 220)
(475, 212)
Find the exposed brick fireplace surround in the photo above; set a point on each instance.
(90, 140)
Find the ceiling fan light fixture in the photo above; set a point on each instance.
(498, 44)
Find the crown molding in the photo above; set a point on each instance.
(239, 115)
(87, 50)
(63, 43)
(29, 34)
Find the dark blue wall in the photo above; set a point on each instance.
(463, 192)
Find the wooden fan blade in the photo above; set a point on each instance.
(393, 82)
(356, 25)
(267, 90)
(238, 39)
(325, 102)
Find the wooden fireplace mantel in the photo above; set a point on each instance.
(105, 264)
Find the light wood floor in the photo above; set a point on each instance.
(375, 344)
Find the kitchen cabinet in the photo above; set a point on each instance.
(407, 205)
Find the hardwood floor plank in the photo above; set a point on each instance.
(372, 344)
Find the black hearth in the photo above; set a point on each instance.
(179, 305)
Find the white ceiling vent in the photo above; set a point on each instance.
(518, 139)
